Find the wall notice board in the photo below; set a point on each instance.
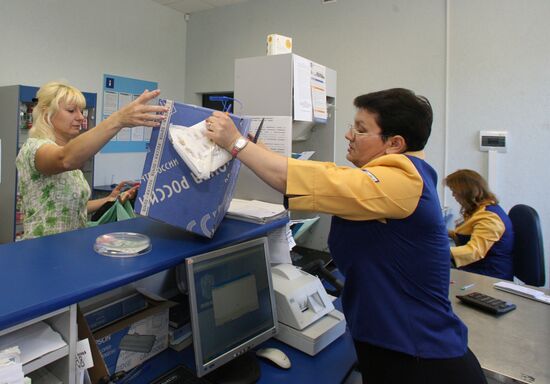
(123, 157)
(117, 92)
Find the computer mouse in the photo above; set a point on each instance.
(276, 356)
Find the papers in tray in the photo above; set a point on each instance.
(255, 211)
(34, 341)
(11, 368)
(521, 290)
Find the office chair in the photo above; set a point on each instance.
(528, 252)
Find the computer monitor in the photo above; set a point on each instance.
(231, 302)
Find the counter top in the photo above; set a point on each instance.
(48, 273)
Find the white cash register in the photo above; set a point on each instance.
(306, 315)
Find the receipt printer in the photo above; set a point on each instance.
(307, 318)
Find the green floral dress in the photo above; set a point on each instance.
(51, 204)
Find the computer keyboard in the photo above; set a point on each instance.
(486, 303)
(181, 375)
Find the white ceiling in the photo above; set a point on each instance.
(190, 6)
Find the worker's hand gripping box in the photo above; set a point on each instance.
(183, 183)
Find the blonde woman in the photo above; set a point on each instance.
(53, 190)
(485, 238)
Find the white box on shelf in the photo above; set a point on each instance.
(278, 44)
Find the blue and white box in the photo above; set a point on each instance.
(129, 342)
(115, 310)
(170, 192)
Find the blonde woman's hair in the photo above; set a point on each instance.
(471, 189)
(50, 95)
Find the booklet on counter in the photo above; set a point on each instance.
(520, 290)
(255, 211)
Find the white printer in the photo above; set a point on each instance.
(307, 318)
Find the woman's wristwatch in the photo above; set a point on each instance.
(238, 146)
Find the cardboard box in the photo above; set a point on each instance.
(114, 310)
(127, 343)
(170, 192)
(278, 44)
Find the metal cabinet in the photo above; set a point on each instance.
(264, 86)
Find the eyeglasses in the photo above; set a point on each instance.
(355, 133)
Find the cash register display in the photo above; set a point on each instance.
(231, 302)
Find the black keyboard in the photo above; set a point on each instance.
(486, 303)
(181, 375)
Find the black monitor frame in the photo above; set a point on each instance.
(204, 367)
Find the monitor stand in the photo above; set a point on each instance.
(245, 369)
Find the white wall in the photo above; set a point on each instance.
(79, 41)
(371, 44)
(500, 80)
(484, 65)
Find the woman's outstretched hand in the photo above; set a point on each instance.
(140, 113)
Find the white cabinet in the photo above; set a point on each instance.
(60, 362)
(264, 86)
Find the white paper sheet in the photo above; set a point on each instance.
(319, 92)
(83, 358)
(125, 134)
(34, 341)
(137, 134)
(279, 247)
(110, 103)
(276, 132)
(302, 89)
(124, 98)
(11, 369)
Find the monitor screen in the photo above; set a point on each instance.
(231, 302)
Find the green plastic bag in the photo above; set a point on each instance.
(117, 212)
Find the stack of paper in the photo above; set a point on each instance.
(11, 368)
(255, 211)
(34, 341)
(521, 290)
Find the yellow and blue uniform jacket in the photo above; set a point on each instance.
(485, 243)
(389, 240)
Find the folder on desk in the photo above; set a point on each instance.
(255, 211)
